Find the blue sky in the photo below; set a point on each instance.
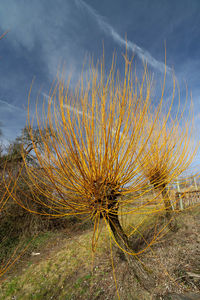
(44, 34)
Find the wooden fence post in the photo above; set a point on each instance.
(180, 198)
(195, 184)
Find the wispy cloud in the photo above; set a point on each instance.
(109, 30)
(10, 107)
(45, 31)
(12, 120)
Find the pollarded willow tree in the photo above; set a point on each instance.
(91, 140)
(169, 152)
(90, 161)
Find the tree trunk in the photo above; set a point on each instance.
(167, 203)
(140, 272)
(168, 209)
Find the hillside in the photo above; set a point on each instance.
(61, 266)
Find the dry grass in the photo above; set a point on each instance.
(66, 269)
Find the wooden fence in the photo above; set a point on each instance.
(186, 199)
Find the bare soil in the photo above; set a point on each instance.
(173, 260)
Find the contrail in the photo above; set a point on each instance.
(109, 30)
(80, 112)
(71, 108)
(11, 106)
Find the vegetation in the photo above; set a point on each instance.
(169, 152)
(64, 269)
(96, 152)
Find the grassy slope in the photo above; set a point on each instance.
(65, 268)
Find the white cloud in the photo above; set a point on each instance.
(45, 30)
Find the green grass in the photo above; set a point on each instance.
(66, 269)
